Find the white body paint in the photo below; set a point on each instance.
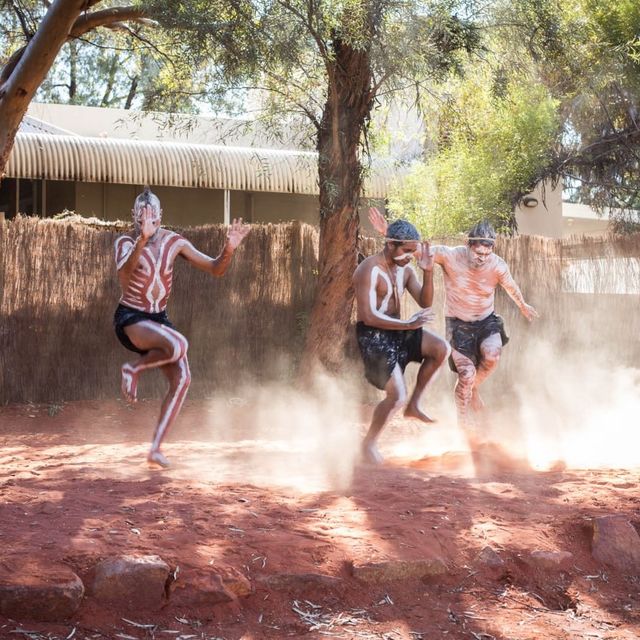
(150, 283)
(377, 272)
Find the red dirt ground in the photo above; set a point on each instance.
(74, 488)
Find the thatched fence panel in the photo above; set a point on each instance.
(59, 292)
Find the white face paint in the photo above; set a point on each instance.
(147, 202)
(479, 254)
(403, 254)
(156, 214)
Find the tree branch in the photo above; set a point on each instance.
(88, 22)
(104, 18)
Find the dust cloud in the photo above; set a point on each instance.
(301, 438)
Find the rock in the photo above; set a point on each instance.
(220, 585)
(299, 581)
(237, 583)
(381, 572)
(38, 590)
(489, 561)
(550, 560)
(489, 557)
(132, 581)
(616, 543)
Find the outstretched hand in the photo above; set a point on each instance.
(425, 256)
(378, 221)
(420, 318)
(529, 312)
(236, 233)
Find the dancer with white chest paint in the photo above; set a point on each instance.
(472, 273)
(386, 342)
(145, 270)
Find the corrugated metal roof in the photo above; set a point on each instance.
(30, 124)
(85, 159)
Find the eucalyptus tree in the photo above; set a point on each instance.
(587, 57)
(321, 66)
(33, 34)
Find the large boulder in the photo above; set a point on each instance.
(616, 543)
(549, 560)
(131, 581)
(299, 581)
(38, 590)
(218, 585)
(392, 570)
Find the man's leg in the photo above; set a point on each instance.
(490, 351)
(463, 390)
(179, 377)
(163, 345)
(435, 351)
(396, 394)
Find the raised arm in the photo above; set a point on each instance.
(217, 266)
(378, 221)
(423, 295)
(513, 291)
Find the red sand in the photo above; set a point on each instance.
(75, 489)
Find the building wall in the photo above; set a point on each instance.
(192, 207)
(545, 219)
(582, 220)
(181, 206)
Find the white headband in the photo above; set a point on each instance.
(491, 240)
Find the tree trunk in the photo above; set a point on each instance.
(345, 119)
(19, 88)
(73, 72)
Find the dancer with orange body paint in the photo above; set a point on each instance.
(145, 270)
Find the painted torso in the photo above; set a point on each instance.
(382, 280)
(150, 284)
(469, 291)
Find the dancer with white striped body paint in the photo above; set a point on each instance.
(145, 270)
(386, 342)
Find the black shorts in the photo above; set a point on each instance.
(126, 316)
(382, 349)
(466, 337)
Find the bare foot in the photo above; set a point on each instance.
(371, 455)
(129, 384)
(477, 403)
(155, 458)
(413, 411)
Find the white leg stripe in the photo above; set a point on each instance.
(396, 374)
(171, 336)
(175, 404)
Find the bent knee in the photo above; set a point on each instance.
(397, 399)
(466, 375)
(442, 351)
(491, 356)
(180, 348)
(181, 378)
